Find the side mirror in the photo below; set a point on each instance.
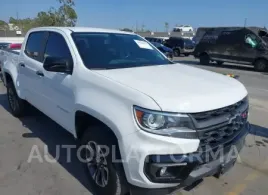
(57, 64)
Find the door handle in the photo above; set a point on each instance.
(39, 73)
(22, 65)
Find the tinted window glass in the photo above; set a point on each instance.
(188, 41)
(252, 40)
(156, 44)
(57, 46)
(229, 37)
(110, 50)
(210, 36)
(34, 45)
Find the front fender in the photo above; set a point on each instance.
(112, 103)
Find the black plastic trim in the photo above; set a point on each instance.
(192, 163)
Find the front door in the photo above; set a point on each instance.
(57, 88)
(248, 50)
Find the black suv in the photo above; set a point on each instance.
(180, 45)
(233, 44)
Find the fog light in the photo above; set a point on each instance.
(163, 171)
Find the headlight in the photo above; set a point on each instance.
(168, 124)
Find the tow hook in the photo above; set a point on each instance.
(224, 168)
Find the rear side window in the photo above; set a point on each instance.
(211, 36)
(229, 37)
(34, 44)
(57, 47)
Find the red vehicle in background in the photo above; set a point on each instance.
(14, 46)
(7, 46)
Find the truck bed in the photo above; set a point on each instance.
(8, 55)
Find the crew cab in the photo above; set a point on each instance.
(146, 125)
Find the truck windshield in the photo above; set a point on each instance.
(111, 50)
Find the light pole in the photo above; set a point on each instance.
(245, 22)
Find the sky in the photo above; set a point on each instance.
(151, 13)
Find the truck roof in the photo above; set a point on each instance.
(253, 28)
(81, 29)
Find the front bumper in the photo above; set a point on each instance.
(181, 169)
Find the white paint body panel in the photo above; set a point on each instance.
(109, 95)
(181, 88)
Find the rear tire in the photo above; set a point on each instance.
(16, 104)
(106, 177)
(204, 59)
(261, 65)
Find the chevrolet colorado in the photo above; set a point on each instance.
(148, 125)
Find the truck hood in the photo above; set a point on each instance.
(180, 88)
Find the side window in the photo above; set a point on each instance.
(229, 37)
(34, 43)
(251, 40)
(57, 47)
(211, 36)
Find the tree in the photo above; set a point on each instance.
(166, 26)
(3, 25)
(65, 15)
(126, 29)
(12, 20)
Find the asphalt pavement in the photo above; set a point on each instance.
(18, 138)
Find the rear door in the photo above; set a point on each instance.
(227, 46)
(29, 64)
(170, 43)
(208, 44)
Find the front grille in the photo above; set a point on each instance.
(214, 137)
(217, 127)
(202, 116)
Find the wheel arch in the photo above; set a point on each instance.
(7, 77)
(259, 58)
(85, 119)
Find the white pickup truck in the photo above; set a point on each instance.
(149, 125)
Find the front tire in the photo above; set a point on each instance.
(177, 53)
(261, 65)
(16, 104)
(105, 176)
(220, 63)
(204, 59)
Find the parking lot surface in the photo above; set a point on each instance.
(18, 138)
